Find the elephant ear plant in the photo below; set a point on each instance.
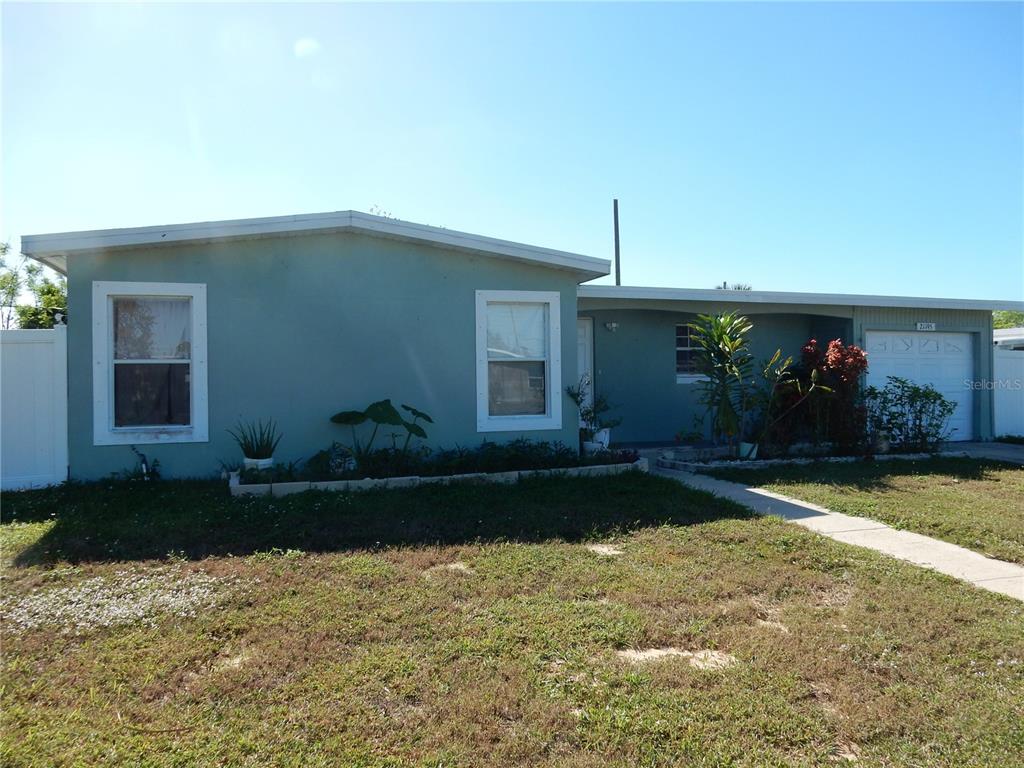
(381, 413)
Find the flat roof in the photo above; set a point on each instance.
(54, 249)
(637, 293)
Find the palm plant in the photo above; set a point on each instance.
(724, 360)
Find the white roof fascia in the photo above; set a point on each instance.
(784, 297)
(53, 249)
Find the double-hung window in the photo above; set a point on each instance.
(149, 363)
(686, 355)
(519, 361)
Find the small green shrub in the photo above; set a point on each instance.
(330, 462)
(914, 417)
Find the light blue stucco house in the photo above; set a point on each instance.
(178, 332)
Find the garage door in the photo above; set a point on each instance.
(944, 360)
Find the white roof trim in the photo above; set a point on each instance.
(1008, 335)
(721, 296)
(53, 249)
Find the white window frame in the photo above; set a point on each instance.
(685, 378)
(552, 418)
(104, 432)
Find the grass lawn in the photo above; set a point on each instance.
(169, 624)
(975, 503)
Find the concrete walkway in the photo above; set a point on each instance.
(998, 451)
(981, 571)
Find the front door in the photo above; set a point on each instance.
(585, 353)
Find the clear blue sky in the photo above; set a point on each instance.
(871, 148)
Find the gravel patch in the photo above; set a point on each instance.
(125, 597)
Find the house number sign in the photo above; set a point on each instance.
(926, 326)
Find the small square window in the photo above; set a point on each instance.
(686, 352)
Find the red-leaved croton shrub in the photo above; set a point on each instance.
(837, 416)
(845, 364)
(812, 356)
(842, 364)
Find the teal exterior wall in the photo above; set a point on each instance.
(635, 366)
(301, 327)
(978, 323)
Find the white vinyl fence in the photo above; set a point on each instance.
(33, 408)
(1008, 375)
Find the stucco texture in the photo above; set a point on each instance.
(634, 366)
(301, 327)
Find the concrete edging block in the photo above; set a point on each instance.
(694, 466)
(367, 484)
(525, 474)
(253, 489)
(471, 477)
(329, 485)
(435, 480)
(287, 489)
(412, 481)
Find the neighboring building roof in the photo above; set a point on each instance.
(1008, 337)
(54, 249)
(785, 297)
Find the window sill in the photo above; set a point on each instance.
(690, 378)
(150, 436)
(518, 424)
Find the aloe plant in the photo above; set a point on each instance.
(256, 439)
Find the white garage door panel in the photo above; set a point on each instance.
(944, 360)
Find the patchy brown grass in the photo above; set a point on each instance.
(975, 503)
(352, 657)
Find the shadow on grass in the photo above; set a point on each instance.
(138, 521)
(866, 475)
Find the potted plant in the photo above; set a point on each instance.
(258, 442)
(595, 430)
(750, 438)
